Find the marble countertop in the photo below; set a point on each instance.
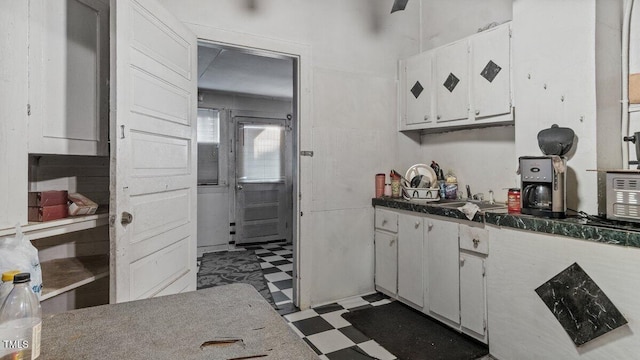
(571, 227)
(223, 322)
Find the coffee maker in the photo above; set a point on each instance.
(543, 186)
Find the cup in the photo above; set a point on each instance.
(380, 179)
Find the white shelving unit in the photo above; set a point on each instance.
(39, 230)
(62, 275)
(65, 274)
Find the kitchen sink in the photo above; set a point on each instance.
(481, 205)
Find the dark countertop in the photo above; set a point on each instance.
(175, 327)
(608, 232)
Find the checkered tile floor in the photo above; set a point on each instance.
(322, 328)
(276, 260)
(334, 338)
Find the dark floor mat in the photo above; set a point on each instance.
(229, 267)
(411, 335)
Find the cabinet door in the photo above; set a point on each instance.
(472, 294)
(386, 276)
(443, 269)
(69, 73)
(452, 82)
(410, 270)
(418, 89)
(491, 66)
(153, 155)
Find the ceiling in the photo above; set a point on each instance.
(236, 71)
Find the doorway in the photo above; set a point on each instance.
(247, 167)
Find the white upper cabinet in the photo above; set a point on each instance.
(452, 82)
(418, 90)
(491, 73)
(463, 84)
(68, 81)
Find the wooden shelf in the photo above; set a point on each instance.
(39, 230)
(62, 275)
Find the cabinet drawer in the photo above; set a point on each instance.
(474, 239)
(386, 220)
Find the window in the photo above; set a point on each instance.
(208, 146)
(261, 154)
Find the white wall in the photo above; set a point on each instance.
(522, 327)
(13, 115)
(448, 21)
(482, 158)
(354, 46)
(559, 80)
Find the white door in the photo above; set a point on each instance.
(452, 82)
(418, 87)
(386, 253)
(410, 271)
(491, 72)
(153, 152)
(472, 297)
(443, 269)
(263, 180)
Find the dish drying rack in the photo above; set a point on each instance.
(422, 194)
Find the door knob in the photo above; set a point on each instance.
(127, 218)
(239, 187)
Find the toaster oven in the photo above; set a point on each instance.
(623, 195)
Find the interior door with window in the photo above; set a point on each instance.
(263, 180)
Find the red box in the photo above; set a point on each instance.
(47, 213)
(48, 198)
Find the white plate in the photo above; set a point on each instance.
(422, 169)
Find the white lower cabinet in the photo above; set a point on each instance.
(410, 264)
(474, 249)
(472, 295)
(386, 277)
(443, 285)
(386, 251)
(434, 265)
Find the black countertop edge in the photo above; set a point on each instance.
(425, 208)
(572, 227)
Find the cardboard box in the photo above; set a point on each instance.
(81, 205)
(48, 198)
(48, 213)
(634, 89)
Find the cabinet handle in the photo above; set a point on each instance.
(426, 118)
(477, 112)
(417, 224)
(438, 117)
(384, 222)
(461, 261)
(393, 241)
(430, 226)
(475, 243)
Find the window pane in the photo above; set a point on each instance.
(208, 146)
(262, 152)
